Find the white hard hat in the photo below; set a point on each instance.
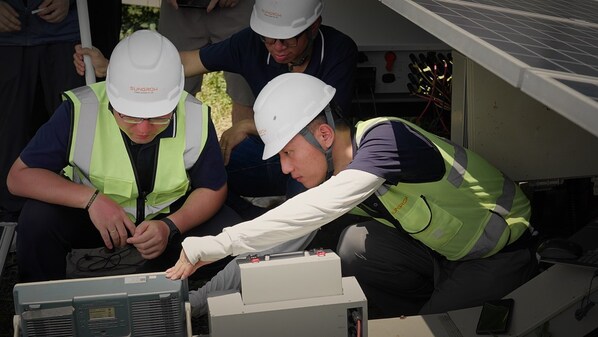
(283, 19)
(286, 105)
(145, 76)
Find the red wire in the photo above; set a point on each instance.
(358, 328)
(431, 95)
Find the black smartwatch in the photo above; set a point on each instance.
(174, 231)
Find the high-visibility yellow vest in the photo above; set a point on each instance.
(472, 212)
(99, 157)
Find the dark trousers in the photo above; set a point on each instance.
(31, 82)
(47, 233)
(105, 22)
(401, 276)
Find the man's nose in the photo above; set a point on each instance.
(279, 45)
(145, 125)
(285, 165)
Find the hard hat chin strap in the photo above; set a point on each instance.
(306, 52)
(312, 140)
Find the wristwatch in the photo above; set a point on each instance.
(174, 231)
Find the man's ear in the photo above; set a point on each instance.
(326, 135)
(313, 29)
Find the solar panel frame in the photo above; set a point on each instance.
(576, 95)
(584, 10)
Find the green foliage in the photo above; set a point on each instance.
(138, 17)
(213, 93)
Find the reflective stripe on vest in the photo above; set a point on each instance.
(88, 103)
(496, 223)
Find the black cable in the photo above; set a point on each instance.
(374, 103)
(586, 303)
(100, 262)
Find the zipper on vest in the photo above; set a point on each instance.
(142, 199)
(140, 207)
(140, 211)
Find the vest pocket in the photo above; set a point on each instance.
(168, 196)
(118, 187)
(436, 228)
(418, 217)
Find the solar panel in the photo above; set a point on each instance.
(557, 41)
(538, 41)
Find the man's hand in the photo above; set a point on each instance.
(151, 238)
(183, 268)
(111, 221)
(235, 135)
(98, 61)
(9, 18)
(54, 11)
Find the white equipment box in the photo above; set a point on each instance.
(290, 294)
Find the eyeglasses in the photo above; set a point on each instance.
(138, 120)
(290, 42)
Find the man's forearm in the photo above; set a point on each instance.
(199, 207)
(47, 186)
(192, 63)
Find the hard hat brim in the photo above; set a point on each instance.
(145, 109)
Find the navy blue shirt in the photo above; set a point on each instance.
(397, 153)
(333, 60)
(49, 149)
(36, 31)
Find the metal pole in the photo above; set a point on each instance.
(83, 13)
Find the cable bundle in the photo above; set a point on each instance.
(430, 78)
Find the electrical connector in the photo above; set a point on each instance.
(354, 322)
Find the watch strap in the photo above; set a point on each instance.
(174, 230)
